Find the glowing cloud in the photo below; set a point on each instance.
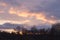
(30, 12)
(26, 14)
(12, 10)
(3, 4)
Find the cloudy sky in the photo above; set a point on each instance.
(30, 12)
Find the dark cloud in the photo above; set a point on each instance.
(53, 8)
(11, 2)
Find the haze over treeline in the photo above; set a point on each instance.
(12, 26)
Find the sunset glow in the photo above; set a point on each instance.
(29, 12)
(3, 4)
(38, 16)
(29, 19)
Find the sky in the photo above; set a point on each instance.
(30, 12)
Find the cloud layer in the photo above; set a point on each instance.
(31, 12)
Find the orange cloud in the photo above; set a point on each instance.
(38, 16)
(3, 4)
(41, 17)
(12, 10)
(23, 14)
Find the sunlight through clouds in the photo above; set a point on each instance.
(28, 11)
(12, 11)
(38, 16)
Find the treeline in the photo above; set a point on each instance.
(52, 34)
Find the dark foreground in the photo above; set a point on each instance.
(13, 36)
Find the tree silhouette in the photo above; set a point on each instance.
(18, 28)
(34, 29)
(55, 29)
